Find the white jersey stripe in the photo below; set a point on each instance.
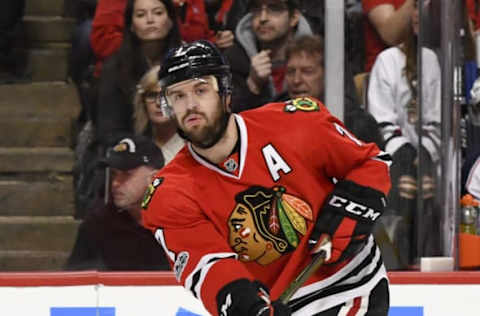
(345, 309)
(201, 270)
(330, 301)
(363, 306)
(365, 271)
(305, 290)
(350, 306)
(160, 237)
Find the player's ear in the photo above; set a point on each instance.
(228, 103)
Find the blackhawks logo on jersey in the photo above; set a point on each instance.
(303, 104)
(147, 197)
(267, 223)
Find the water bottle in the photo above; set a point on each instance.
(469, 214)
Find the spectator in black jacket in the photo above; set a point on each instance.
(11, 66)
(111, 236)
(82, 59)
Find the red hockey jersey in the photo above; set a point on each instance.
(250, 216)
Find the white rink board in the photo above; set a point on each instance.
(126, 300)
(438, 299)
(147, 300)
(24, 301)
(434, 300)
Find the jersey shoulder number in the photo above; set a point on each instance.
(344, 132)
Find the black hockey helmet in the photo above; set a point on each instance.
(194, 60)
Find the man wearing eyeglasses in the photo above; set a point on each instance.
(258, 57)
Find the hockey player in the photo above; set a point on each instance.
(240, 208)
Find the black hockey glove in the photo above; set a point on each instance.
(245, 298)
(347, 216)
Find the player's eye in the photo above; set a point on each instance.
(178, 96)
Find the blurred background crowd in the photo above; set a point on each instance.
(395, 94)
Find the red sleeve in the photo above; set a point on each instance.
(221, 16)
(368, 5)
(195, 26)
(474, 13)
(195, 247)
(471, 8)
(107, 27)
(343, 156)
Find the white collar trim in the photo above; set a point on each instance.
(243, 151)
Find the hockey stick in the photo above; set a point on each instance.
(318, 259)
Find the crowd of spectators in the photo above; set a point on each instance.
(393, 101)
(276, 52)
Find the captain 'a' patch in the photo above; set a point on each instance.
(304, 104)
(267, 223)
(152, 187)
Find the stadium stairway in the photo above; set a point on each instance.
(37, 229)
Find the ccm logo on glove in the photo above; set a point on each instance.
(354, 208)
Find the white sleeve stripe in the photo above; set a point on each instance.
(359, 258)
(383, 157)
(335, 299)
(194, 280)
(345, 308)
(367, 270)
(395, 143)
(348, 310)
(161, 240)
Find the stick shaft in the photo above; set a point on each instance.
(317, 261)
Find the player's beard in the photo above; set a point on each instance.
(209, 134)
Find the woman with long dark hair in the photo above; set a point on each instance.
(151, 29)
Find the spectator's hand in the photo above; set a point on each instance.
(224, 39)
(260, 71)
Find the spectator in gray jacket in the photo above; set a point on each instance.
(257, 59)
